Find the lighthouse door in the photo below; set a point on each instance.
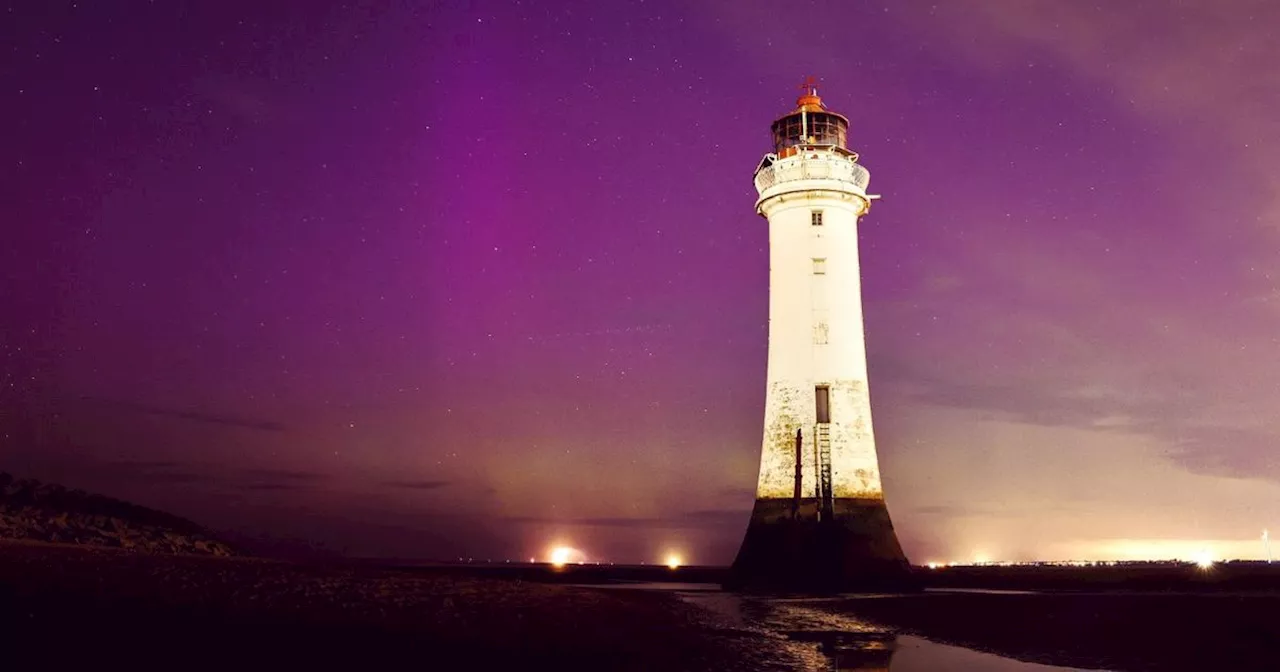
(822, 402)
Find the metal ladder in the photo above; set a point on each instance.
(822, 441)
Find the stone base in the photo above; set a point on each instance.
(856, 550)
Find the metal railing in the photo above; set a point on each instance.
(806, 168)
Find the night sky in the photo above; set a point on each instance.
(469, 279)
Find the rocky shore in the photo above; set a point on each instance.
(35, 511)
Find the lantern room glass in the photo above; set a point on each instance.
(822, 128)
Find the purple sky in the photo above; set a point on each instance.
(470, 278)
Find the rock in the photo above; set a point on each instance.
(37, 511)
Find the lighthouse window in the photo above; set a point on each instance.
(820, 130)
(815, 218)
(826, 129)
(819, 266)
(822, 402)
(821, 332)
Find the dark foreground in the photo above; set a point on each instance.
(1114, 631)
(73, 604)
(62, 605)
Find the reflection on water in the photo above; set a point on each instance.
(916, 654)
(801, 636)
(846, 651)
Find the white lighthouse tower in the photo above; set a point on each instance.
(820, 519)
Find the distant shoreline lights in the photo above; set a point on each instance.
(564, 555)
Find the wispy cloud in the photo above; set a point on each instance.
(712, 519)
(417, 485)
(268, 487)
(166, 472)
(284, 475)
(1201, 63)
(187, 414)
(273, 480)
(1188, 414)
(153, 471)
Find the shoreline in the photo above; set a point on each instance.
(1103, 630)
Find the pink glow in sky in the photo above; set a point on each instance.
(442, 279)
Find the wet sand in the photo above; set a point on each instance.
(70, 604)
(62, 605)
(1113, 630)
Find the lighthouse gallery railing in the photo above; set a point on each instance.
(804, 168)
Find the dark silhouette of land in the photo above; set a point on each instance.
(35, 511)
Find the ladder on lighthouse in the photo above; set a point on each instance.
(822, 442)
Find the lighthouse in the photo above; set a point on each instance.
(820, 521)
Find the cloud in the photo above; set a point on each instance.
(197, 416)
(1203, 64)
(1011, 490)
(738, 491)
(1228, 451)
(179, 478)
(957, 510)
(137, 464)
(1098, 406)
(712, 519)
(717, 516)
(937, 510)
(282, 475)
(1051, 331)
(417, 485)
(153, 471)
(272, 480)
(1188, 414)
(265, 486)
(166, 472)
(1047, 336)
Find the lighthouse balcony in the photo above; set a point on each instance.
(809, 170)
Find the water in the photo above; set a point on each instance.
(798, 636)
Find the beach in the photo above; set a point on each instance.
(68, 604)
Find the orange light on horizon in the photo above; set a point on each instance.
(674, 561)
(565, 555)
(560, 555)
